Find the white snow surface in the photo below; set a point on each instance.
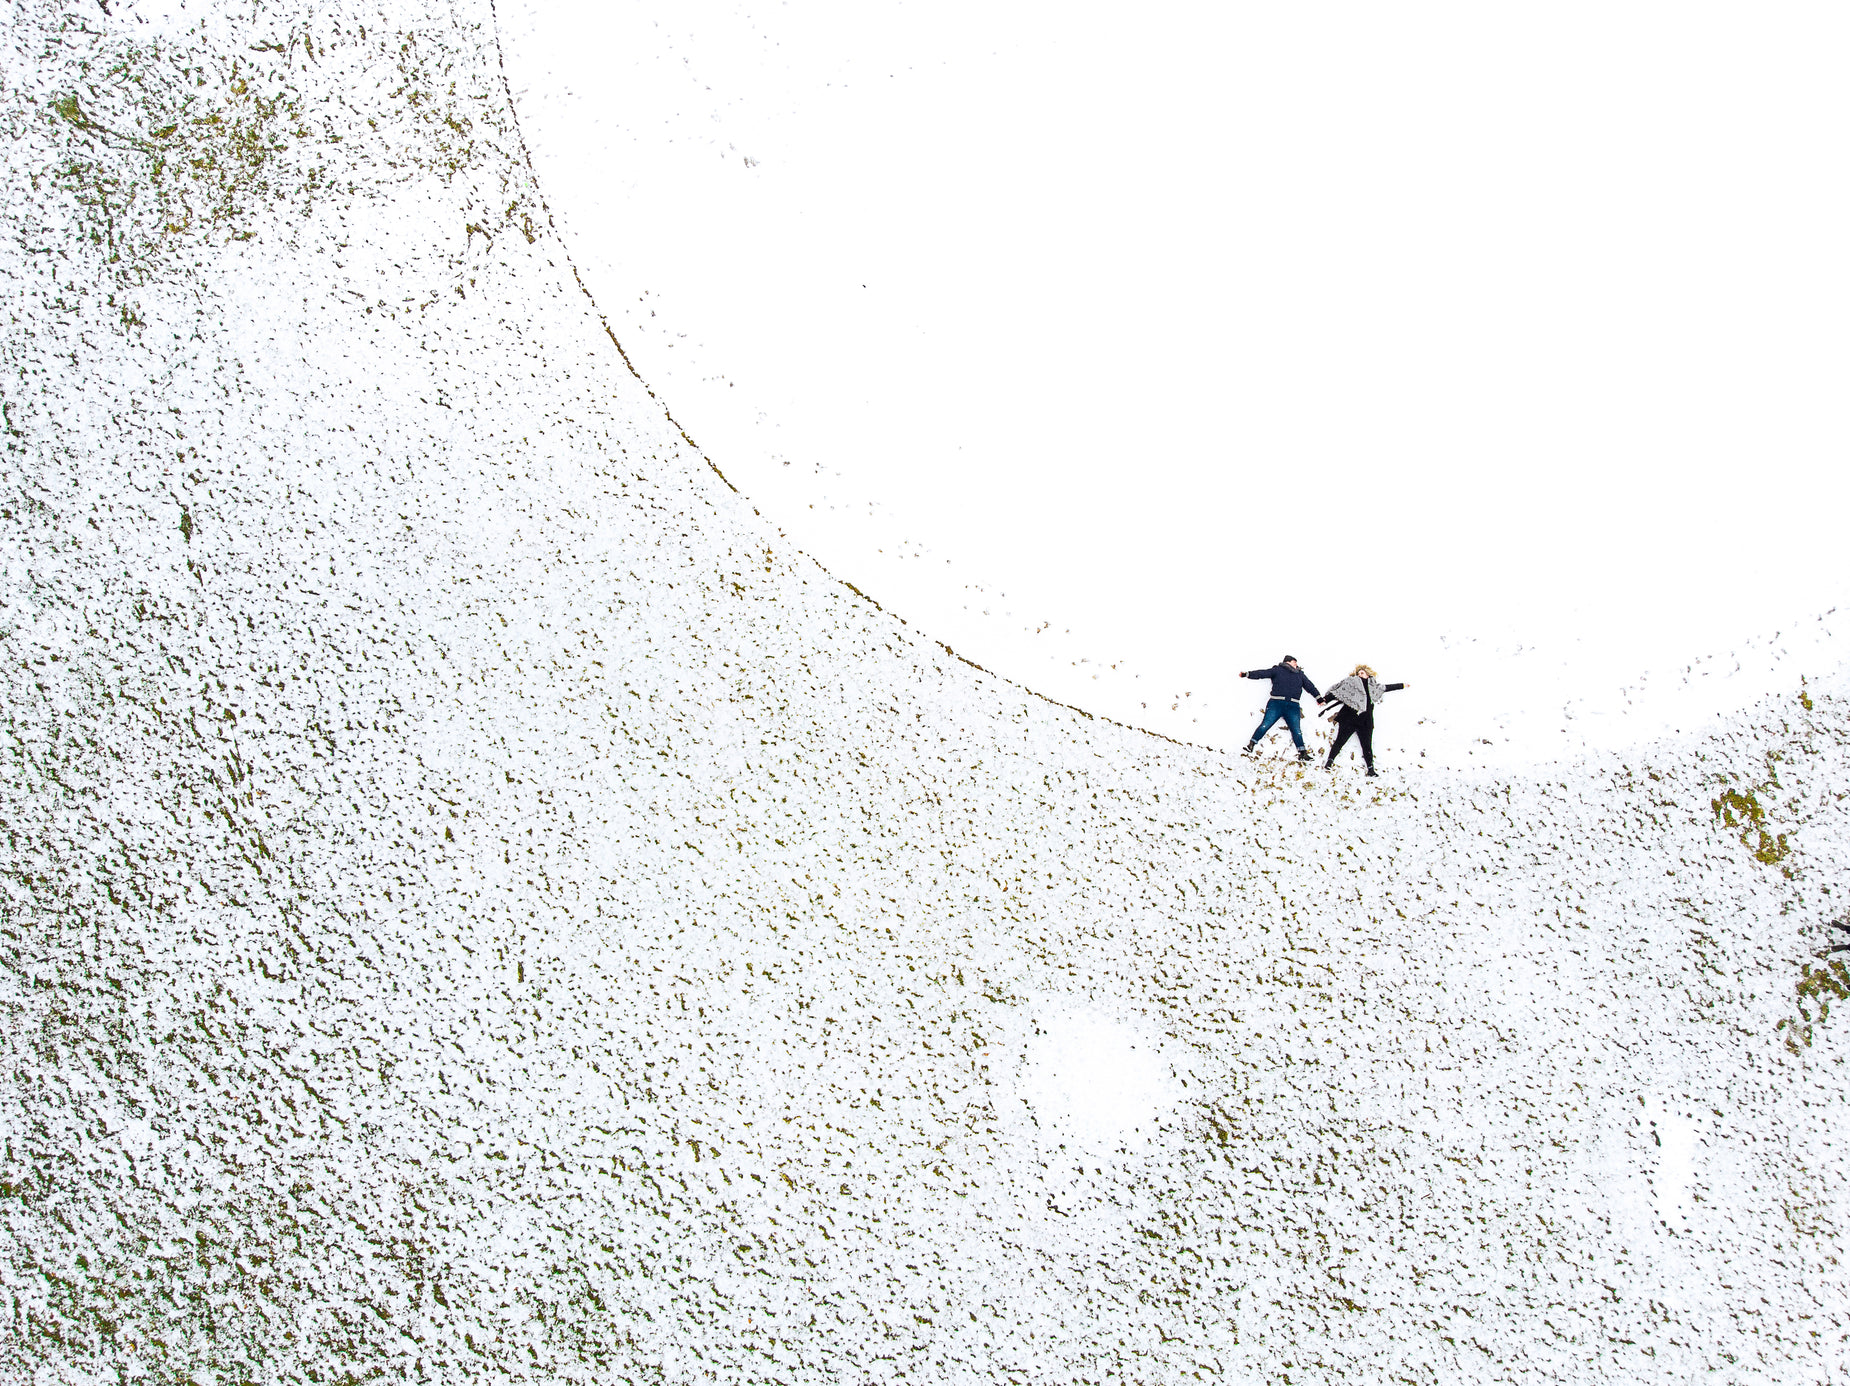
(1126, 353)
(478, 903)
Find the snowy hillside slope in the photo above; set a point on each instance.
(478, 904)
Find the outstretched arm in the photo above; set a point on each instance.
(1392, 687)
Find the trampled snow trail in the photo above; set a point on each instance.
(477, 903)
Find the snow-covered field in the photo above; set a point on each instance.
(478, 903)
(1122, 353)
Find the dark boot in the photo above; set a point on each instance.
(1303, 753)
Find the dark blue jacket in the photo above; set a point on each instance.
(1287, 682)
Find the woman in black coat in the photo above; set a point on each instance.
(1356, 697)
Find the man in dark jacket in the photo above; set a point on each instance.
(1289, 683)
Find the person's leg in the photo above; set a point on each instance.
(1345, 728)
(1365, 733)
(1294, 719)
(1274, 709)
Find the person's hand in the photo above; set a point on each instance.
(1242, 673)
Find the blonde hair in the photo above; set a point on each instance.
(1364, 671)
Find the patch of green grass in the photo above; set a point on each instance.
(163, 143)
(1742, 809)
(1817, 988)
(157, 146)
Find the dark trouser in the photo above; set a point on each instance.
(1360, 725)
(1288, 709)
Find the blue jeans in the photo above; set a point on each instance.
(1288, 709)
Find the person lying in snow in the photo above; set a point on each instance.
(1288, 685)
(1355, 698)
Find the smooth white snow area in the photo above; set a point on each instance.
(1092, 1079)
(1673, 1134)
(479, 903)
(1121, 351)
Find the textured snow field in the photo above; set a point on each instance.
(478, 904)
